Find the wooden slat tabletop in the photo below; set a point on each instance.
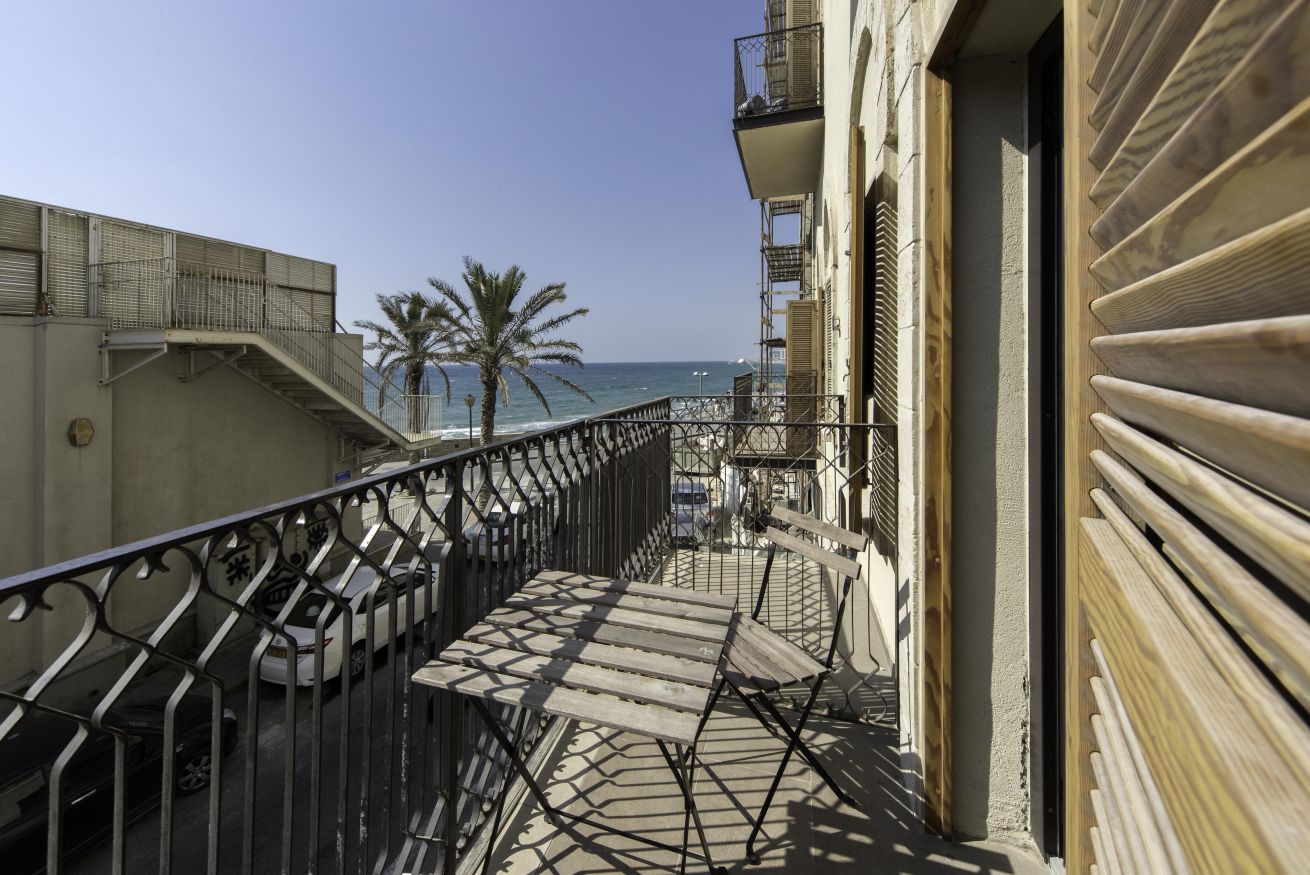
(630, 656)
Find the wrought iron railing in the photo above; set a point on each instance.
(777, 71)
(168, 293)
(236, 696)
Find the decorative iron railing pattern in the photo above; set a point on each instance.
(350, 766)
(777, 71)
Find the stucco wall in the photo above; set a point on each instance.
(989, 456)
(875, 54)
(165, 454)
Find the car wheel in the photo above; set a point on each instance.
(358, 659)
(194, 772)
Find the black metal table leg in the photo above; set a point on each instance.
(500, 798)
(515, 760)
(685, 783)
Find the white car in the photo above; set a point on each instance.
(494, 539)
(301, 622)
(689, 506)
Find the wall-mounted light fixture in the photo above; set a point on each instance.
(80, 432)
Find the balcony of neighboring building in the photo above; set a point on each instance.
(778, 109)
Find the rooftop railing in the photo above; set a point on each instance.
(236, 695)
(777, 71)
(169, 293)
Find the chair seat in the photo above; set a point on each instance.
(758, 660)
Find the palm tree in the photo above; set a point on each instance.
(416, 335)
(502, 340)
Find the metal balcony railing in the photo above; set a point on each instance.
(777, 71)
(236, 696)
(168, 293)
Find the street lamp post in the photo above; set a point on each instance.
(469, 399)
(700, 381)
(751, 365)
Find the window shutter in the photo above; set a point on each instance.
(1189, 237)
(66, 260)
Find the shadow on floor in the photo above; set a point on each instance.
(621, 780)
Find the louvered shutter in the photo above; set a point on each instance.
(20, 257)
(132, 275)
(66, 261)
(1189, 236)
(802, 55)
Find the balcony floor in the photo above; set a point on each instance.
(621, 779)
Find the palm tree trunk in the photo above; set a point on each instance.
(488, 406)
(413, 384)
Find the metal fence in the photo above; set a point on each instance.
(778, 70)
(263, 717)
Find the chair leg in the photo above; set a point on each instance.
(792, 742)
(804, 750)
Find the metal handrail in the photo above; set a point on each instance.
(592, 496)
(763, 73)
(201, 296)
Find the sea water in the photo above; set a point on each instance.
(611, 385)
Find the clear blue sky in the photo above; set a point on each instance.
(588, 141)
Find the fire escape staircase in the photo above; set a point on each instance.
(256, 332)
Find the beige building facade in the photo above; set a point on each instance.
(1051, 251)
(145, 391)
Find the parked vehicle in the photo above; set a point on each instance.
(494, 539)
(28, 754)
(301, 623)
(692, 517)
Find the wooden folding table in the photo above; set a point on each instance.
(632, 656)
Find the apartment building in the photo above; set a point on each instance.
(1060, 248)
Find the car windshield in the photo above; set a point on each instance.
(307, 611)
(690, 498)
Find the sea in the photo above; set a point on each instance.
(612, 385)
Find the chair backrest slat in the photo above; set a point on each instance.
(826, 558)
(845, 537)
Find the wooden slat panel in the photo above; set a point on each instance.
(1262, 275)
(1108, 818)
(1268, 86)
(1124, 18)
(1225, 38)
(1103, 863)
(618, 616)
(1273, 537)
(818, 527)
(650, 720)
(1104, 18)
(661, 607)
(603, 633)
(1268, 449)
(652, 590)
(1261, 363)
(579, 676)
(1272, 629)
(777, 649)
(1131, 58)
(592, 653)
(1236, 805)
(1147, 848)
(1116, 111)
(826, 558)
(1164, 828)
(1125, 827)
(1247, 192)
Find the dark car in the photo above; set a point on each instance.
(28, 754)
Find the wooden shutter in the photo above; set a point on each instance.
(803, 337)
(1188, 435)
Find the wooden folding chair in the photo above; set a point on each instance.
(757, 661)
